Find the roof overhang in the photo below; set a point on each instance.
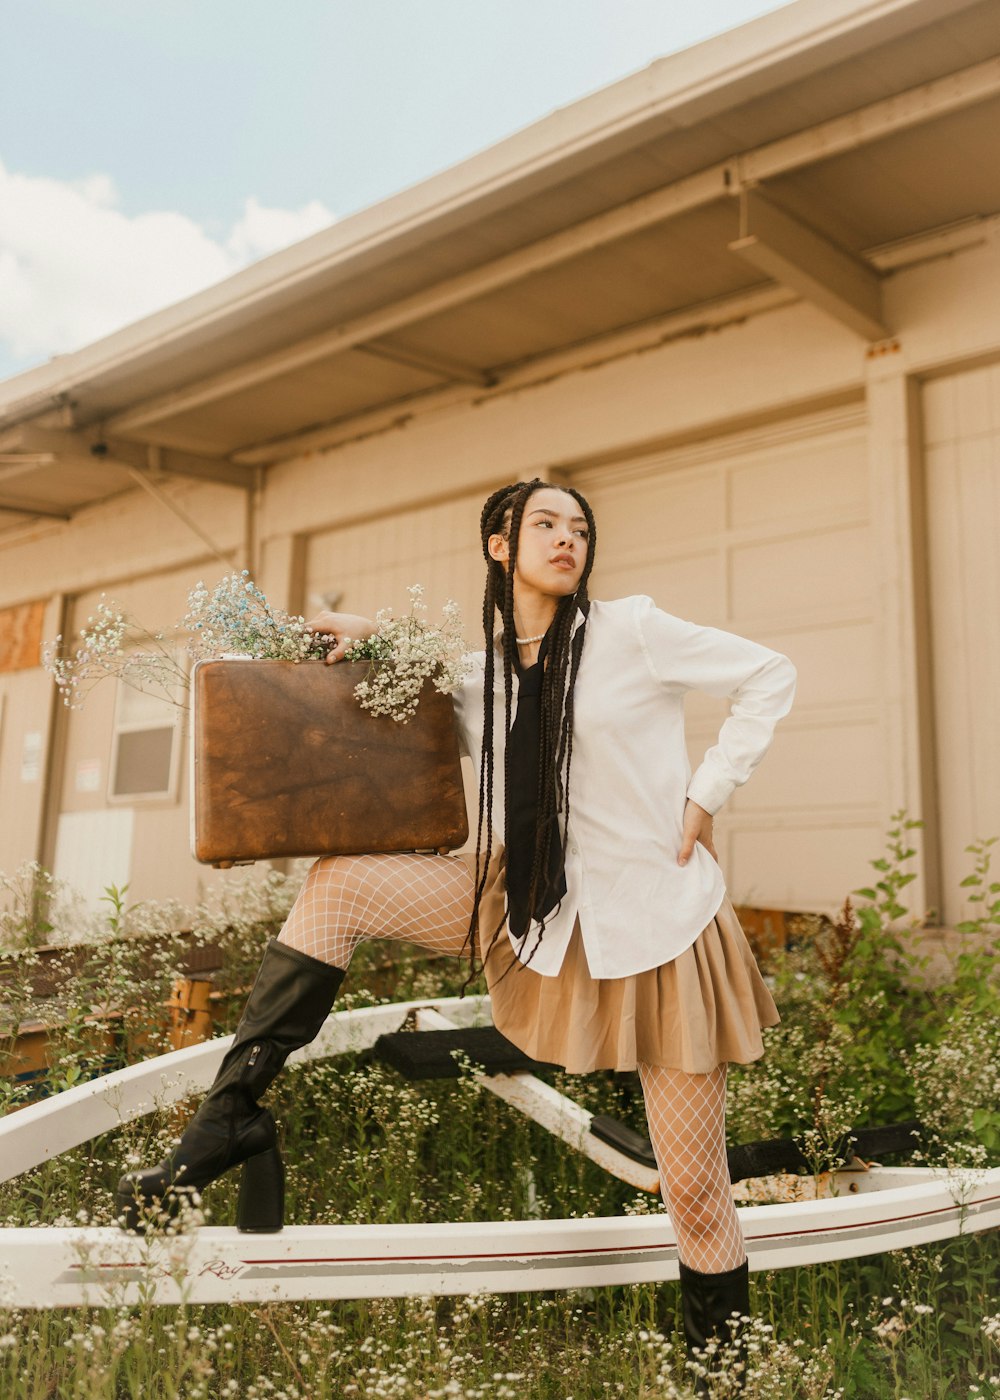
(798, 156)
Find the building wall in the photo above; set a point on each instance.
(961, 429)
(142, 556)
(769, 477)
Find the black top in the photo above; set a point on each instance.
(522, 805)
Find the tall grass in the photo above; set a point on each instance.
(862, 1040)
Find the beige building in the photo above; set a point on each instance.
(748, 300)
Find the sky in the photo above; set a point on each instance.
(149, 148)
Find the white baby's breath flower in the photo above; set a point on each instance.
(235, 618)
(406, 652)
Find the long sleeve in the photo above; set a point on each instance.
(467, 701)
(759, 682)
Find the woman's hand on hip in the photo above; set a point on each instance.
(697, 827)
(341, 629)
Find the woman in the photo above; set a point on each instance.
(593, 899)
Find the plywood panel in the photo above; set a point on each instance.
(25, 711)
(958, 407)
(702, 716)
(21, 636)
(975, 403)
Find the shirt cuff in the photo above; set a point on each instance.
(709, 790)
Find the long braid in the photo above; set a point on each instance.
(509, 647)
(502, 514)
(486, 766)
(494, 600)
(556, 748)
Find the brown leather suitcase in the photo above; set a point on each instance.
(287, 763)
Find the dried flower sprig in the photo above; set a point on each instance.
(404, 652)
(237, 618)
(113, 644)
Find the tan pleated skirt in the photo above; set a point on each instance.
(704, 1008)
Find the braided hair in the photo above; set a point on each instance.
(502, 514)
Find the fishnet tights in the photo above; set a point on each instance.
(346, 899)
(427, 899)
(686, 1114)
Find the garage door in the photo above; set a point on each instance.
(361, 568)
(768, 534)
(962, 443)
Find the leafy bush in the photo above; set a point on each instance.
(864, 1037)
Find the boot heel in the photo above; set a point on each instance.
(261, 1206)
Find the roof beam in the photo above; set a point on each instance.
(821, 142)
(27, 448)
(23, 463)
(798, 257)
(169, 461)
(47, 510)
(25, 440)
(449, 370)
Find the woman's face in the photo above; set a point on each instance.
(552, 545)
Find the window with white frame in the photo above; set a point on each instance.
(145, 748)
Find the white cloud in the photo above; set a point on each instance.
(261, 231)
(73, 267)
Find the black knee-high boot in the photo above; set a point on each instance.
(287, 1006)
(708, 1302)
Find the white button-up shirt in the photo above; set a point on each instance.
(630, 777)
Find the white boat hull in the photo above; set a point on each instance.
(77, 1267)
(858, 1213)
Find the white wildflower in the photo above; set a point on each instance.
(404, 653)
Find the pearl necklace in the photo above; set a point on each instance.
(526, 641)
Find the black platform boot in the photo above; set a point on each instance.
(287, 1006)
(708, 1302)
